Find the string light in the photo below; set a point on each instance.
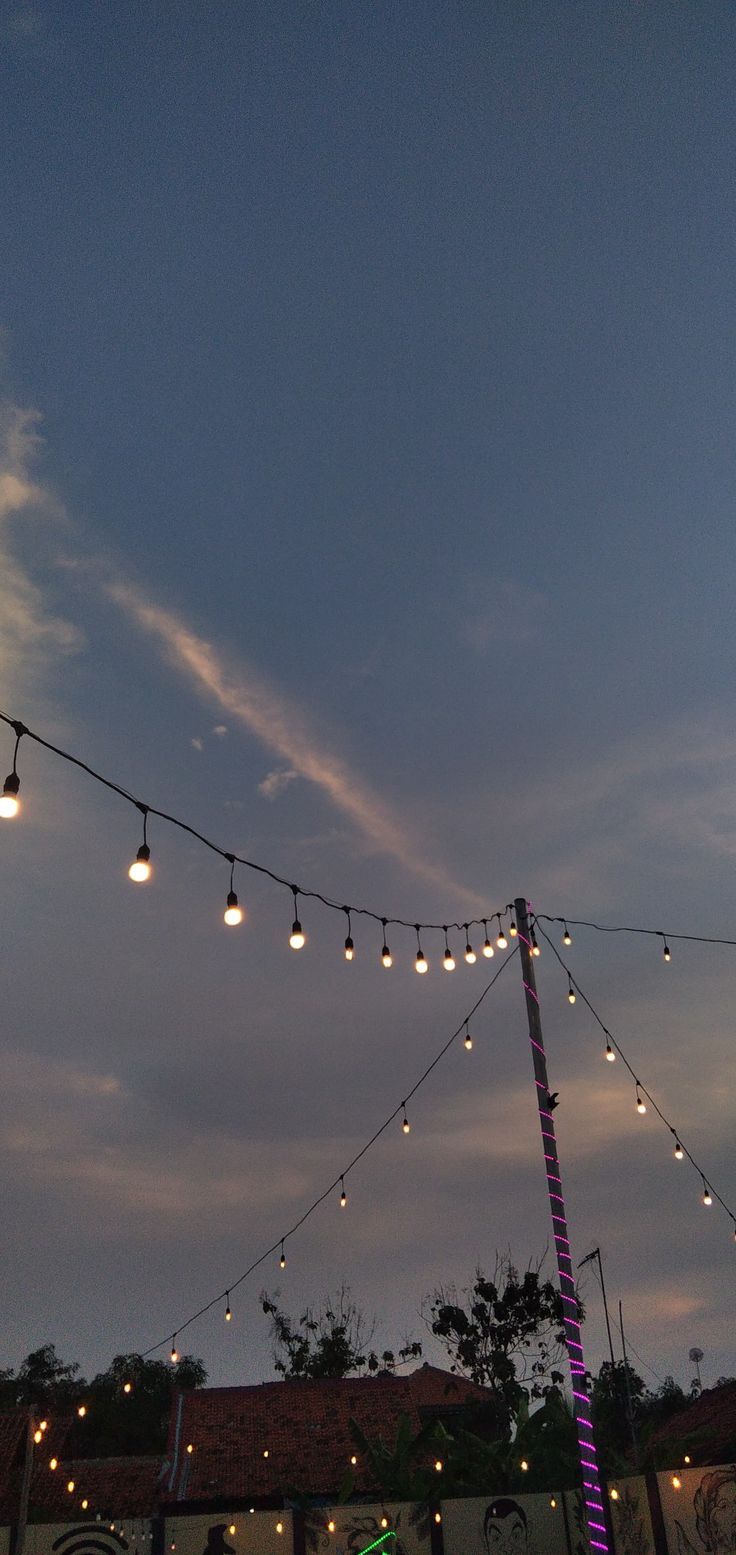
(85, 1504)
(228, 1313)
(438, 1465)
(282, 1259)
(501, 939)
(513, 931)
(627, 928)
(353, 1460)
(614, 1494)
(421, 964)
(140, 870)
(610, 1055)
(686, 1458)
(552, 1502)
(232, 1530)
(279, 1527)
(174, 1352)
(487, 946)
(468, 1038)
(70, 1486)
(666, 950)
(9, 801)
(470, 956)
(297, 937)
(676, 1482)
(535, 948)
(233, 914)
(567, 936)
(438, 1517)
(570, 992)
(448, 960)
(82, 1410)
(398, 1111)
(343, 1195)
(349, 946)
(190, 1448)
(127, 1387)
(387, 959)
(710, 1193)
(38, 1437)
(43, 1425)
(53, 1463)
(523, 1466)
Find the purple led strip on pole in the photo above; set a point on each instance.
(592, 1498)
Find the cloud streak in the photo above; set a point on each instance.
(243, 693)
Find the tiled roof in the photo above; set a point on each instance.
(706, 1429)
(259, 1441)
(125, 1487)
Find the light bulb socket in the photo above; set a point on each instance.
(11, 785)
(143, 855)
(232, 900)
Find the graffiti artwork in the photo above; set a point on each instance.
(385, 1530)
(504, 1525)
(700, 1516)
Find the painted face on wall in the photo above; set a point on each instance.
(505, 1528)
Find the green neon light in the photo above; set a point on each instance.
(376, 1542)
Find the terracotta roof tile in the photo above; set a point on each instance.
(294, 1434)
(706, 1429)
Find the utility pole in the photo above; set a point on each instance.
(627, 1383)
(596, 1253)
(25, 1489)
(592, 1498)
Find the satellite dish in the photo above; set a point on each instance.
(696, 1355)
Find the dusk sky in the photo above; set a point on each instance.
(366, 500)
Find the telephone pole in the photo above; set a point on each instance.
(596, 1253)
(592, 1498)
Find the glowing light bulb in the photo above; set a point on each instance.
(679, 1152)
(174, 1351)
(232, 1530)
(9, 801)
(438, 1465)
(571, 995)
(421, 964)
(641, 1105)
(405, 1124)
(707, 1195)
(610, 1055)
(567, 936)
(501, 939)
(487, 946)
(535, 948)
(190, 1447)
(70, 1486)
(666, 952)
(614, 1494)
(85, 1504)
(140, 869)
(343, 1195)
(279, 1527)
(82, 1410)
(282, 1261)
(330, 1526)
(38, 1436)
(265, 1452)
(233, 914)
(552, 1502)
(43, 1425)
(228, 1313)
(468, 1038)
(127, 1387)
(53, 1463)
(523, 1465)
(297, 938)
(513, 931)
(470, 955)
(387, 959)
(687, 1457)
(448, 960)
(353, 1460)
(349, 949)
(438, 1517)
(384, 1522)
(676, 1482)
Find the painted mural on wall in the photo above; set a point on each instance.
(700, 1517)
(90, 1537)
(631, 1519)
(504, 1525)
(393, 1528)
(220, 1533)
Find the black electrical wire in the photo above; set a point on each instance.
(638, 1083)
(341, 1175)
(623, 928)
(229, 856)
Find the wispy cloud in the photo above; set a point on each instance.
(275, 782)
(242, 693)
(29, 633)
